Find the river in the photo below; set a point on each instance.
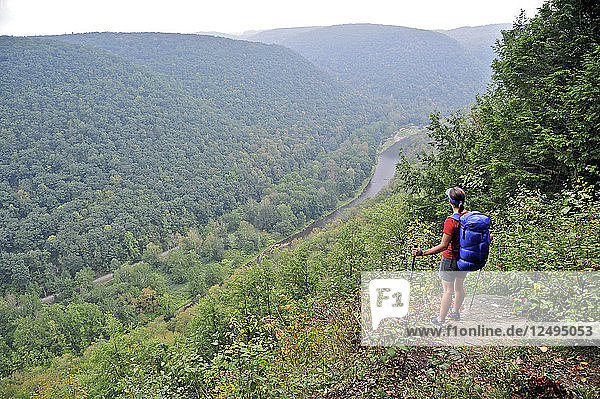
(384, 171)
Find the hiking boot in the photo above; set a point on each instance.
(435, 321)
(452, 315)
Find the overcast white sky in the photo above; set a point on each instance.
(36, 17)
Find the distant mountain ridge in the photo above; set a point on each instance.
(255, 82)
(478, 39)
(414, 70)
(411, 71)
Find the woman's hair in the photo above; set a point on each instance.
(457, 195)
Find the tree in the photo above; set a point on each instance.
(540, 120)
(132, 246)
(537, 126)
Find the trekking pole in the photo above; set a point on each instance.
(476, 285)
(412, 266)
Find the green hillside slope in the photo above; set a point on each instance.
(289, 327)
(417, 70)
(105, 161)
(101, 156)
(262, 85)
(478, 40)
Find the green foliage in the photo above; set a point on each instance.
(538, 232)
(52, 331)
(540, 118)
(447, 163)
(136, 151)
(107, 152)
(108, 148)
(535, 127)
(267, 87)
(289, 327)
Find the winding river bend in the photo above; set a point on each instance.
(384, 171)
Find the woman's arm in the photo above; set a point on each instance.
(437, 249)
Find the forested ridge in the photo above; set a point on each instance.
(265, 85)
(479, 40)
(413, 71)
(526, 154)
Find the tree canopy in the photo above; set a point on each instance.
(103, 154)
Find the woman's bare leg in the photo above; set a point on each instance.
(446, 299)
(459, 288)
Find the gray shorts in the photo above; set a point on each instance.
(449, 270)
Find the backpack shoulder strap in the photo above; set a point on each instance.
(464, 218)
(455, 216)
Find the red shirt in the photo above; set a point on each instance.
(452, 228)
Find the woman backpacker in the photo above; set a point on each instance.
(452, 278)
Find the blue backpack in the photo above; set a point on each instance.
(474, 240)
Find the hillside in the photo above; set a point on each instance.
(478, 40)
(287, 324)
(106, 160)
(269, 86)
(101, 155)
(416, 70)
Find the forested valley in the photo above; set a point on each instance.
(124, 183)
(107, 161)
